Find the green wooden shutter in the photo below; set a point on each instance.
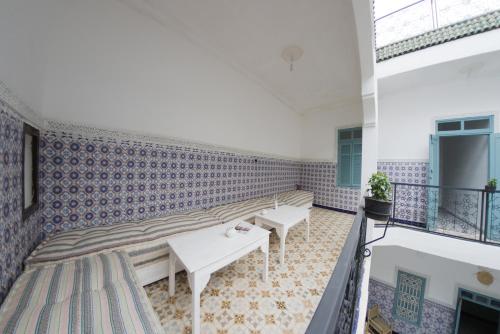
(345, 164)
(349, 157)
(356, 164)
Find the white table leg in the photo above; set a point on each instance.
(282, 232)
(171, 275)
(307, 229)
(197, 282)
(265, 250)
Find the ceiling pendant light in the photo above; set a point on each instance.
(291, 54)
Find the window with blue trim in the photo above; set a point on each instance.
(349, 157)
(409, 298)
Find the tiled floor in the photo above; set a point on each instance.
(237, 301)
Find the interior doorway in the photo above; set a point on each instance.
(477, 314)
(463, 161)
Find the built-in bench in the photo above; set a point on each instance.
(145, 241)
(90, 281)
(93, 294)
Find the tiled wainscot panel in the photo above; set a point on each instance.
(436, 318)
(412, 200)
(319, 177)
(17, 237)
(101, 181)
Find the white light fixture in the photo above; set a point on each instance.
(291, 54)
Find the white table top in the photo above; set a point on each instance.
(204, 247)
(285, 215)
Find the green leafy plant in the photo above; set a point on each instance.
(492, 183)
(380, 187)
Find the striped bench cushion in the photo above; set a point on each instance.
(229, 212)
(296, 197)
(95, 294)
(145, 239)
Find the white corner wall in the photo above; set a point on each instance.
(407, 117)
(101, 63)
(319, 130)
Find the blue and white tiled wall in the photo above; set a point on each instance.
(90, 182)
(412, 200)
(17, 237)
(436, 318)
(319, 177)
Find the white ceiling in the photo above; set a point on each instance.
(250, 36)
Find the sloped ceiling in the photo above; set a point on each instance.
(250, 36)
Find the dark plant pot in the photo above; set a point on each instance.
(490, 189)
(376, 209)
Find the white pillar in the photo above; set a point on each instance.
(370, 140)
(363, 14)
(364, 27)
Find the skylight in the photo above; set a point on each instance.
(396, 20)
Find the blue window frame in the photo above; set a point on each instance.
(409, 298)
(465, 126)
(349, 157)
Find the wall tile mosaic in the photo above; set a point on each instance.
(436, 318)
(17, 237)
(412, 200)
(91, 182)
(319, 177)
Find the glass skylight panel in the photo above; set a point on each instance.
(396, 20)
(451, 11)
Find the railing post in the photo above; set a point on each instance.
(482, 222)
(487, 209)
(394, 204)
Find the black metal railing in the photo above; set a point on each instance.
(460, 212)
(336, 312)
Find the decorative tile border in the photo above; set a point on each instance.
(17, 237)
(436, 318)
(128, 137)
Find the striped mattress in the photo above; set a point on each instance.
(296, 197)
(145, 241)
(94, 294)
(232, 211)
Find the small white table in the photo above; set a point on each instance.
(205, 251)
(282, 219)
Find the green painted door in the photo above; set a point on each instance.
(493, 217)
(433, 193)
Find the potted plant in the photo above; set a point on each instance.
(378, 205)
(491, 186)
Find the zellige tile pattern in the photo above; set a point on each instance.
(17, 237)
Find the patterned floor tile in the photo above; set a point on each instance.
(236, 300)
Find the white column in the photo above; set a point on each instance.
(364, 28)
(370, 139)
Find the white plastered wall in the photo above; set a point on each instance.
(100, 63)
(320, 128)
(407, 117)
(443, 276)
